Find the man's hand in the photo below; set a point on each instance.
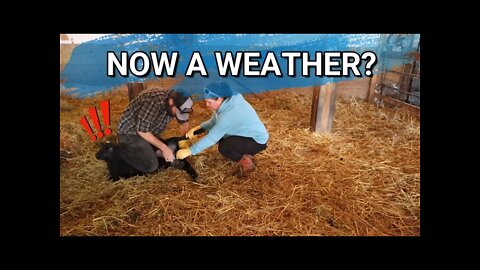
(190, 134)
(162, 148)
(167, 154)
(183, 153)
(183, 144)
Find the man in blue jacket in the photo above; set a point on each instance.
(234, 125)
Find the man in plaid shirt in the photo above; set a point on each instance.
(145, 118)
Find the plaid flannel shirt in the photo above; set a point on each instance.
(146, 113)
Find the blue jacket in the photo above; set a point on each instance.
(235, 117)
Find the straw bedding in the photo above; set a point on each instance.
(363, 179)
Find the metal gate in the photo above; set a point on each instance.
(399, 83)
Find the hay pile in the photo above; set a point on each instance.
(363, 179)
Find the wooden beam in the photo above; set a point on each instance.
(413, 109)
(371, 90)
(325, 109)
(313, 116)
(134, 89)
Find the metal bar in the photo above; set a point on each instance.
(410, 107)
(401, 91)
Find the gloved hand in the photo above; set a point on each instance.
(190, 134)
(183, 144)
(183, 153)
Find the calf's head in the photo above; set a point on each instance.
(106, 152)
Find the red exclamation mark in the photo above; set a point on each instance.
(86, 126)
(105, 107)
(93, 114)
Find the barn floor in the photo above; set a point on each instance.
(361, 180)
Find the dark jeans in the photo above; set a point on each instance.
(235, 147)
(141, 154)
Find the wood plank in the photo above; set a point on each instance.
(412, 108)
(326, 108)
(371, 88)
(313, 116)
(134, 89)
(357, 88)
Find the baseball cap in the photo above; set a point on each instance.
(184, 107)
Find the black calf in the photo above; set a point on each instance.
(117, 166)
(112, 154)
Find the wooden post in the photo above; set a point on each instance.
(134, 89)
(371, 91)
(325, 108)
(313, 117)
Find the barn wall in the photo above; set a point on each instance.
(355, 88)
(65, 53)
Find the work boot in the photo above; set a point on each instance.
(251, 157)
(246, 166)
